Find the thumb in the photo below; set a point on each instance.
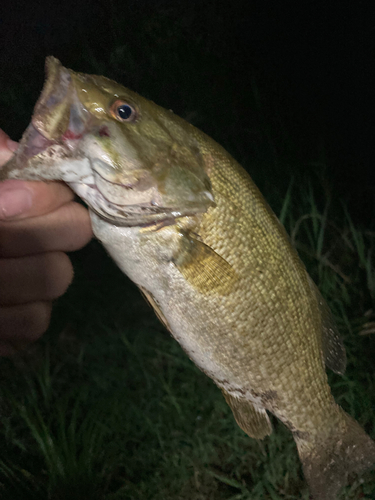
(7, 147)
(20, 199)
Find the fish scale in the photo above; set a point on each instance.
(187, 224)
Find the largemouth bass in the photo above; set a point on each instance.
(186, 223)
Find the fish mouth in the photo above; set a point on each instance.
(141, 215)
(53, 148)
(117, 208)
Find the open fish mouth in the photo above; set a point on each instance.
(81, 176)
(68, 140)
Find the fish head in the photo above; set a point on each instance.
(133, 162)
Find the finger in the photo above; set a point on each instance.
(21, 199)
(22, 324)
(66, 229)
(7, 147)
(34, 278)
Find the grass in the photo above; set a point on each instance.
(107, 406)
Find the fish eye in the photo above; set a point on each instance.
(123, 111)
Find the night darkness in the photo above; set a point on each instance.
(311, 62)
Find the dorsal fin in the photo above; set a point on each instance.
(332, 343)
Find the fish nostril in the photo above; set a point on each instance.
(104, 132)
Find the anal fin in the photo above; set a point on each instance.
(252, 420)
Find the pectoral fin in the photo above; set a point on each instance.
(203, 268)
(255, 422)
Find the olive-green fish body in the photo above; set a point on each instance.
(186, 223)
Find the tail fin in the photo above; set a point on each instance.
(327, 462)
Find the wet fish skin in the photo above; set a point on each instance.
(186, 223)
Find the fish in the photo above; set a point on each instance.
(186, 223)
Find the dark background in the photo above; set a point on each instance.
(274, 82)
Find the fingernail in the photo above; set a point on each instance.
(12, 145)
(14, 202)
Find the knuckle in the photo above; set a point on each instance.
(58, 274)
(45, 276)
(78, 225)
(23, 324)
(38, 320)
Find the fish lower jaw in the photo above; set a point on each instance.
(145, 217)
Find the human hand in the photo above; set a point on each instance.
(39, 222)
